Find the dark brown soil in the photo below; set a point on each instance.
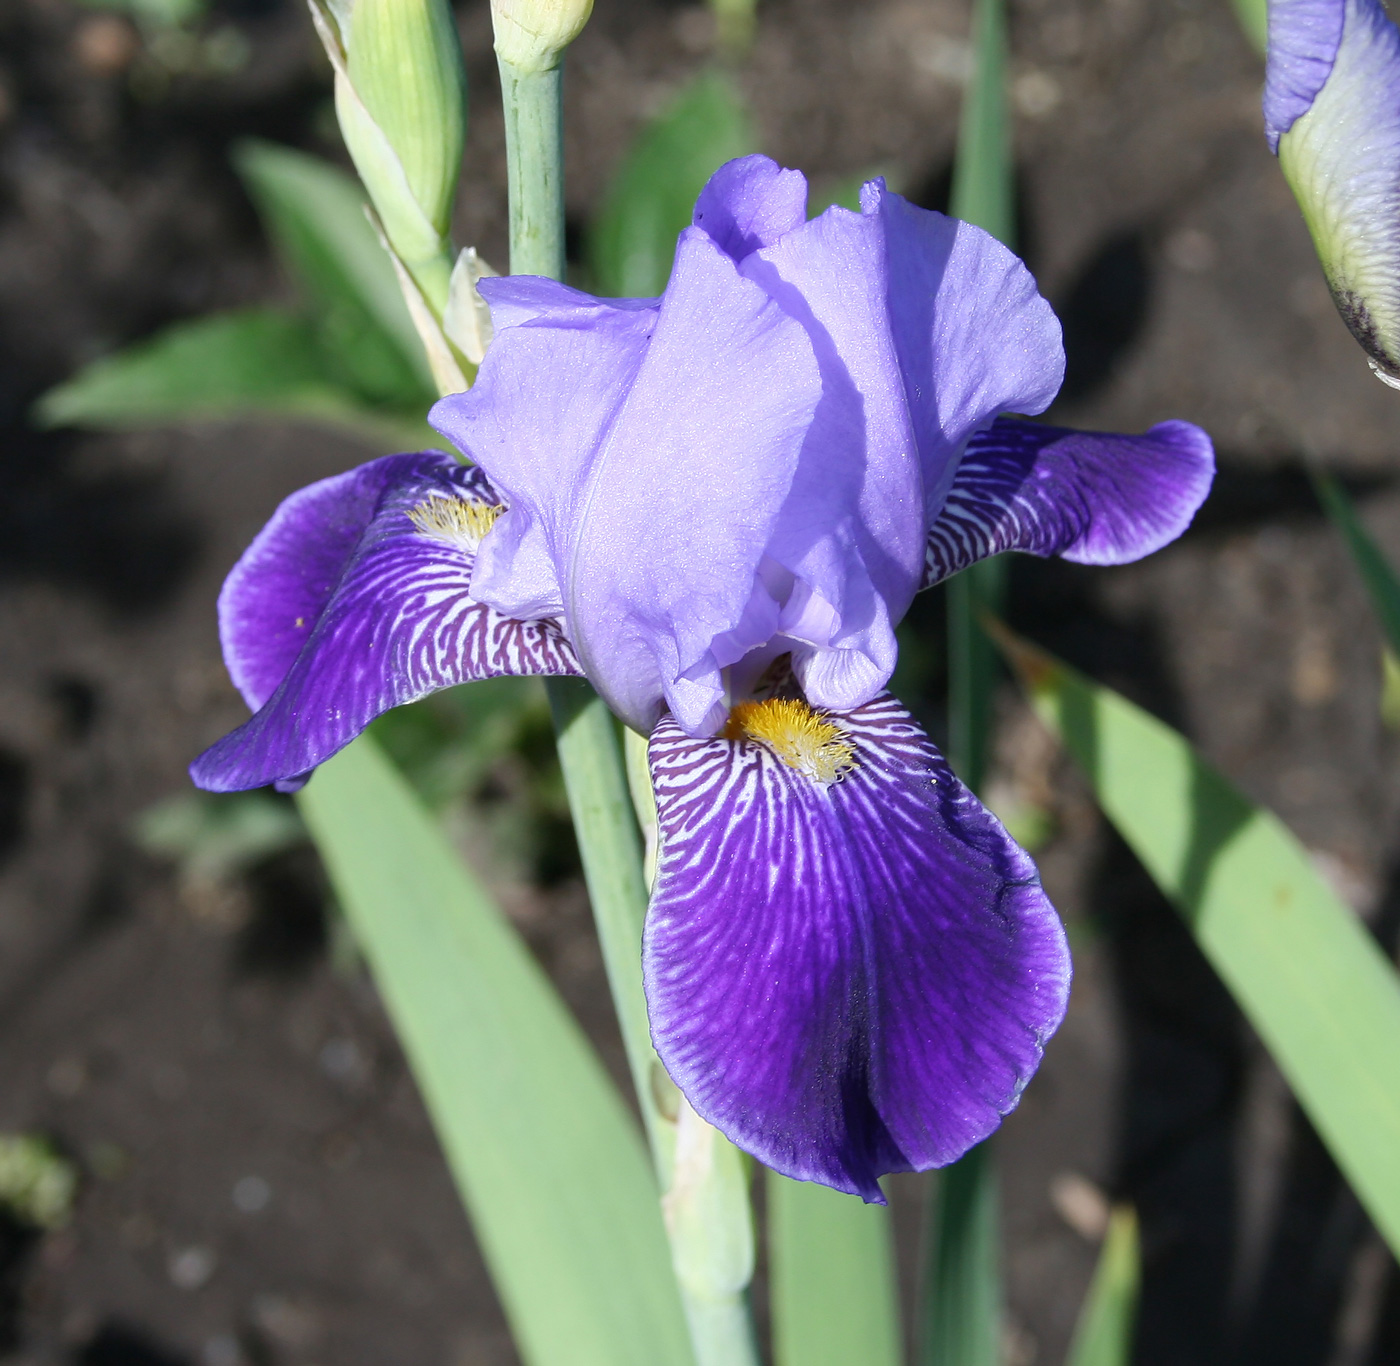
(175, 1046)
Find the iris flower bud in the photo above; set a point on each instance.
(1332, 115)
(399, 95)
(405, 63)
(531, 35)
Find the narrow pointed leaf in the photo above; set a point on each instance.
(315, 214)
(832, 1278)
(983, 182)
(1382, 583)
(1253, 16)
(1104, 1334)
(256, 362)
(962, 1281)
(634, 236)
(961, 1296)
(983, 193)
(550, 1165)
(1300, 964)
(259, 358)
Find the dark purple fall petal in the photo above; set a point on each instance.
(1090, 497)
(343, 607)
(850, 979)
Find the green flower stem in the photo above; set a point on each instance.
(709, 1220)
(706, 1190)
(984, 194)
(535, 169)
(589, 753)
(612, 865)
(709, 1217)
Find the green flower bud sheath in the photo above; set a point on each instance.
(405, 62)
(400, 96)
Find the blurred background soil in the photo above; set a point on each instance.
(259, 1181)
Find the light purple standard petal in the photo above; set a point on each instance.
(645, 452)
(973, 335)
(356, 598)
(1091, 497)
(749, 203)
(686, 489)
(553, 380)
(851, 529)
(1303, 39)
(746, 468)
(848, 979)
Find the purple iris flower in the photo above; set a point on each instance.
(717, 505)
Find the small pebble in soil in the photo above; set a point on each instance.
(1036, 94)
(190, 1268)
(251, 1194)
(222, 1350)
(1081, 1204)
(339, 1151)
(105, 45)
(292, 1324)
(341, 1059)
(67, 1077)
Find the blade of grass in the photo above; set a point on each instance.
(1380, 579)
(1104, 1334)
(548, 1161)
(1382, 585)
(1300, 964)
(251, 363)
(315, 215)
(1254, 20)
(962, 1279)
(831, 1278)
